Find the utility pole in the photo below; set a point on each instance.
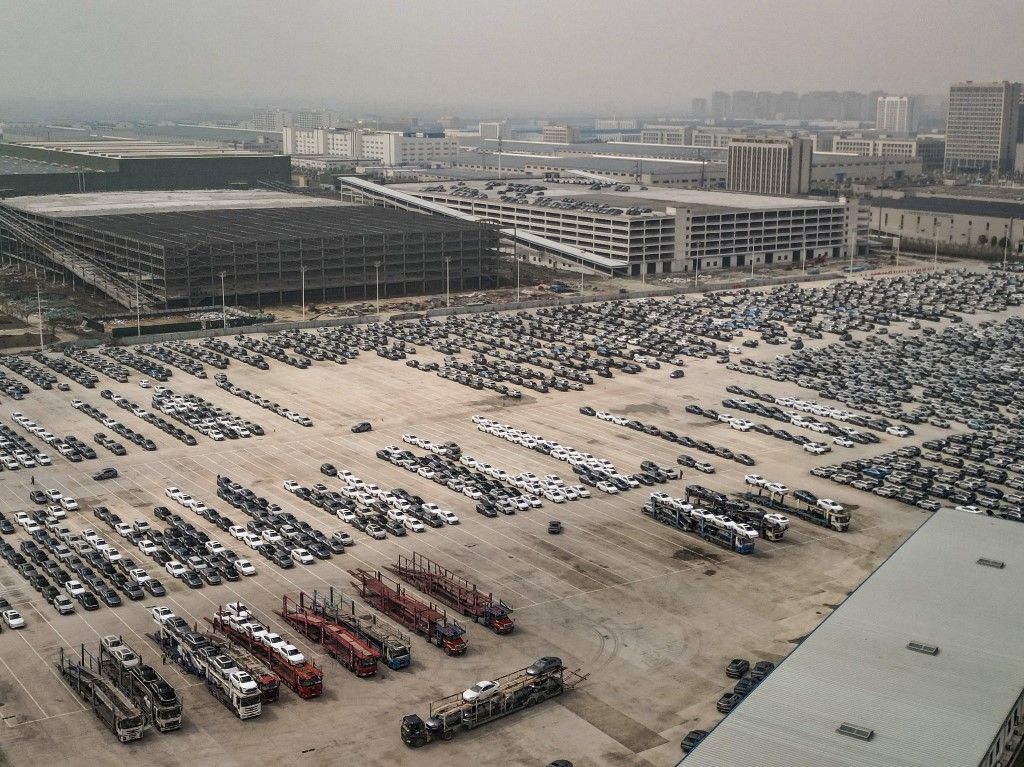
(935, 234)
(223, 306)
(138, 310)
(1006, 241)
(643, 269)
(581, 274)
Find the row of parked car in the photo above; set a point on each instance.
(256, 399)
(16, 452)
(143, 364)
(70, 446)
(114, 425)
(201, 415)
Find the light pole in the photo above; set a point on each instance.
(302, 269)
(447, 281)
(39, 310)
(1006, 241)
(643, 269)
(581, 274)
(897, 252)
(223, 305)
(935, 234)
(376, 280)
(515, 253)
(138, 310)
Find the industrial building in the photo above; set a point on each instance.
(560, 134)
(931, 150)
(181, 249)
(386, 147)
(770, 165)
(981, 127)
(918, 667)
(984, 226)
(654, 230)
(120, 165)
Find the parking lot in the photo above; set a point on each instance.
(651, 613)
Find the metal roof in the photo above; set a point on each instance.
(122, 203)
(954, 205)
(127, 149)
(855, 667)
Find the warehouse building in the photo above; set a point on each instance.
(919, 667)
(955, 224)
(657, 230)
(122, 165)
(174, 249)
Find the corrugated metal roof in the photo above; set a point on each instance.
(855, 667)
(955, 205)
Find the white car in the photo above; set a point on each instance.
(43, 459)
(173, 493)
(291, 485)
(236, 532)
(74, 588)
(705, 467)
(13, 619)
(139, 575)
(292, 654)
(161, 614)
(481, 691)
(843, 441)
(302, 556)
(607, 487)
(472, 493)
(175, 569)
(185, 499)
(244, 567)
(122, 529)
(271, 536)
(143, 383)
(829, 505)
(776, 487)
(448, 516)
(147, 547)
(816, 448)
(252, 540)
(897, 431)
(414, 525)
(345, 515)
(779, 519)
(755, 479)
(215, 547)
(273, 641)
(580, 490)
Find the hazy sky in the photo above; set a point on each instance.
(514, 56)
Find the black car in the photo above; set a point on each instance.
(555, 527)
(328, 469)
(486, 509)
(691, 739)
(88, 601)
(109, 597)
(587, 410)
(162, 512)
(728, 702)
(361, 427)
(544, 665)
(737, 668)
(762, 669)
(108, 473)
(744, 459)
(745, 686)
(154, 587)
(192, 580)
(38, 496)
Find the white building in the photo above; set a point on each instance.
(659, 229)
(388, 147)
(495, 130)
(268, 119)
(770, 165)
(844, 168)
(615, 124)
(895, 114)
(675, 135)
(981, 127)
(930, 150)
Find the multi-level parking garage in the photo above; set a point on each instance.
(176, 249)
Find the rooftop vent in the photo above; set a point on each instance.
(921, 647)
(860, 733)
(992, 563)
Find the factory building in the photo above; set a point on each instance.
(173, 249)
(386, 147)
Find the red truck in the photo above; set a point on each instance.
(339, 642)
(388, 596)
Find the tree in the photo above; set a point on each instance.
(1002, 242)
(982, 239)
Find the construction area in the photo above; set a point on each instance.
(162, 250)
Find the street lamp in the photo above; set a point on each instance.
(39, 311)
(302, 269)
(447, 281)
(935, 234)
(138, 310)
(376, 280)
(515, 253)
(223, 304)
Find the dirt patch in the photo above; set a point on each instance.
(710, 572)
(612, 722)
(649, 407)
(684, 555)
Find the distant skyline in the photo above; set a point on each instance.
(451, 56)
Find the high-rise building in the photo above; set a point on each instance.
(560, 134)
(309, 120)
(677, 135)
(721, 104)
(743, 105)
(981, 127)
(699, 107)
(387, 147)
(894, 114)
(268, 119)
(495, 130)
(770, 165)
(615, 123)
